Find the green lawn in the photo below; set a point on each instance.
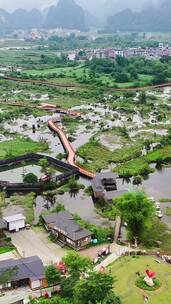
(12, 148)
(125, 271)
(6, 249)
(67, 71)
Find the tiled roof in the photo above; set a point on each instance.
(26, 268)
(63, 221)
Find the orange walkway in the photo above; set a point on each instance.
(68, 147)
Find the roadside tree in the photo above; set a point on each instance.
(137, 210)
(93, 289)
(53, 275)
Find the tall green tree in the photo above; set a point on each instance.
(44, 164)
(68, 285)
(111, 298)
(137, 210)
(77, 264)
(53, 275)
(142, 97)
(93, 289)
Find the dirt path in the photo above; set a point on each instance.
(53, 84)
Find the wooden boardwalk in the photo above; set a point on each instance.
(68, 147)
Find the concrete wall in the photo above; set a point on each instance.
(35, 284)
(16, 225)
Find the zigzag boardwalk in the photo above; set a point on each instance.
(68, 147)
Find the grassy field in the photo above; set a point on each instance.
(96, 161)
(73, 75)
(12, 148)
(134, 167)
(163, 154)
(125, 271)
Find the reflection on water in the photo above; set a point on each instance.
(82, 205)
(158, 184)
(15, 175)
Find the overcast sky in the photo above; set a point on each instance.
(11, 5)
(92, 5)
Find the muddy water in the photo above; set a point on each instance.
(24, 126)
(82, 137)
(15, 175)
(82, 205)
(39, 207)
(158, 184)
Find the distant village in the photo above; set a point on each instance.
(111, 53)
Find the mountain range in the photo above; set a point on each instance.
(150, 19)
(151, 15)
(66, 14)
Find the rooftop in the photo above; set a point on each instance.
(13, 218)
(113, 194)
(26, 268)
(65, 222)
(97, 182)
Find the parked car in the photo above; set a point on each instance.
(44, 178)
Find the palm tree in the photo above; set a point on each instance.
(44, 164)
(73, 186)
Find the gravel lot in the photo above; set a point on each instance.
(35, 242)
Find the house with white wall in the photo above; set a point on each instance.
(15, 222)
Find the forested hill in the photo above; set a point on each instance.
(20, 19)
(66, 14)
(151, 19)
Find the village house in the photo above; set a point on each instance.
(66, 231)
(24, 272)
(14, 222)
(104, 186)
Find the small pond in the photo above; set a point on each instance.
(15, 174)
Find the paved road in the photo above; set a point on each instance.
(30, 242)
(117, 252)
